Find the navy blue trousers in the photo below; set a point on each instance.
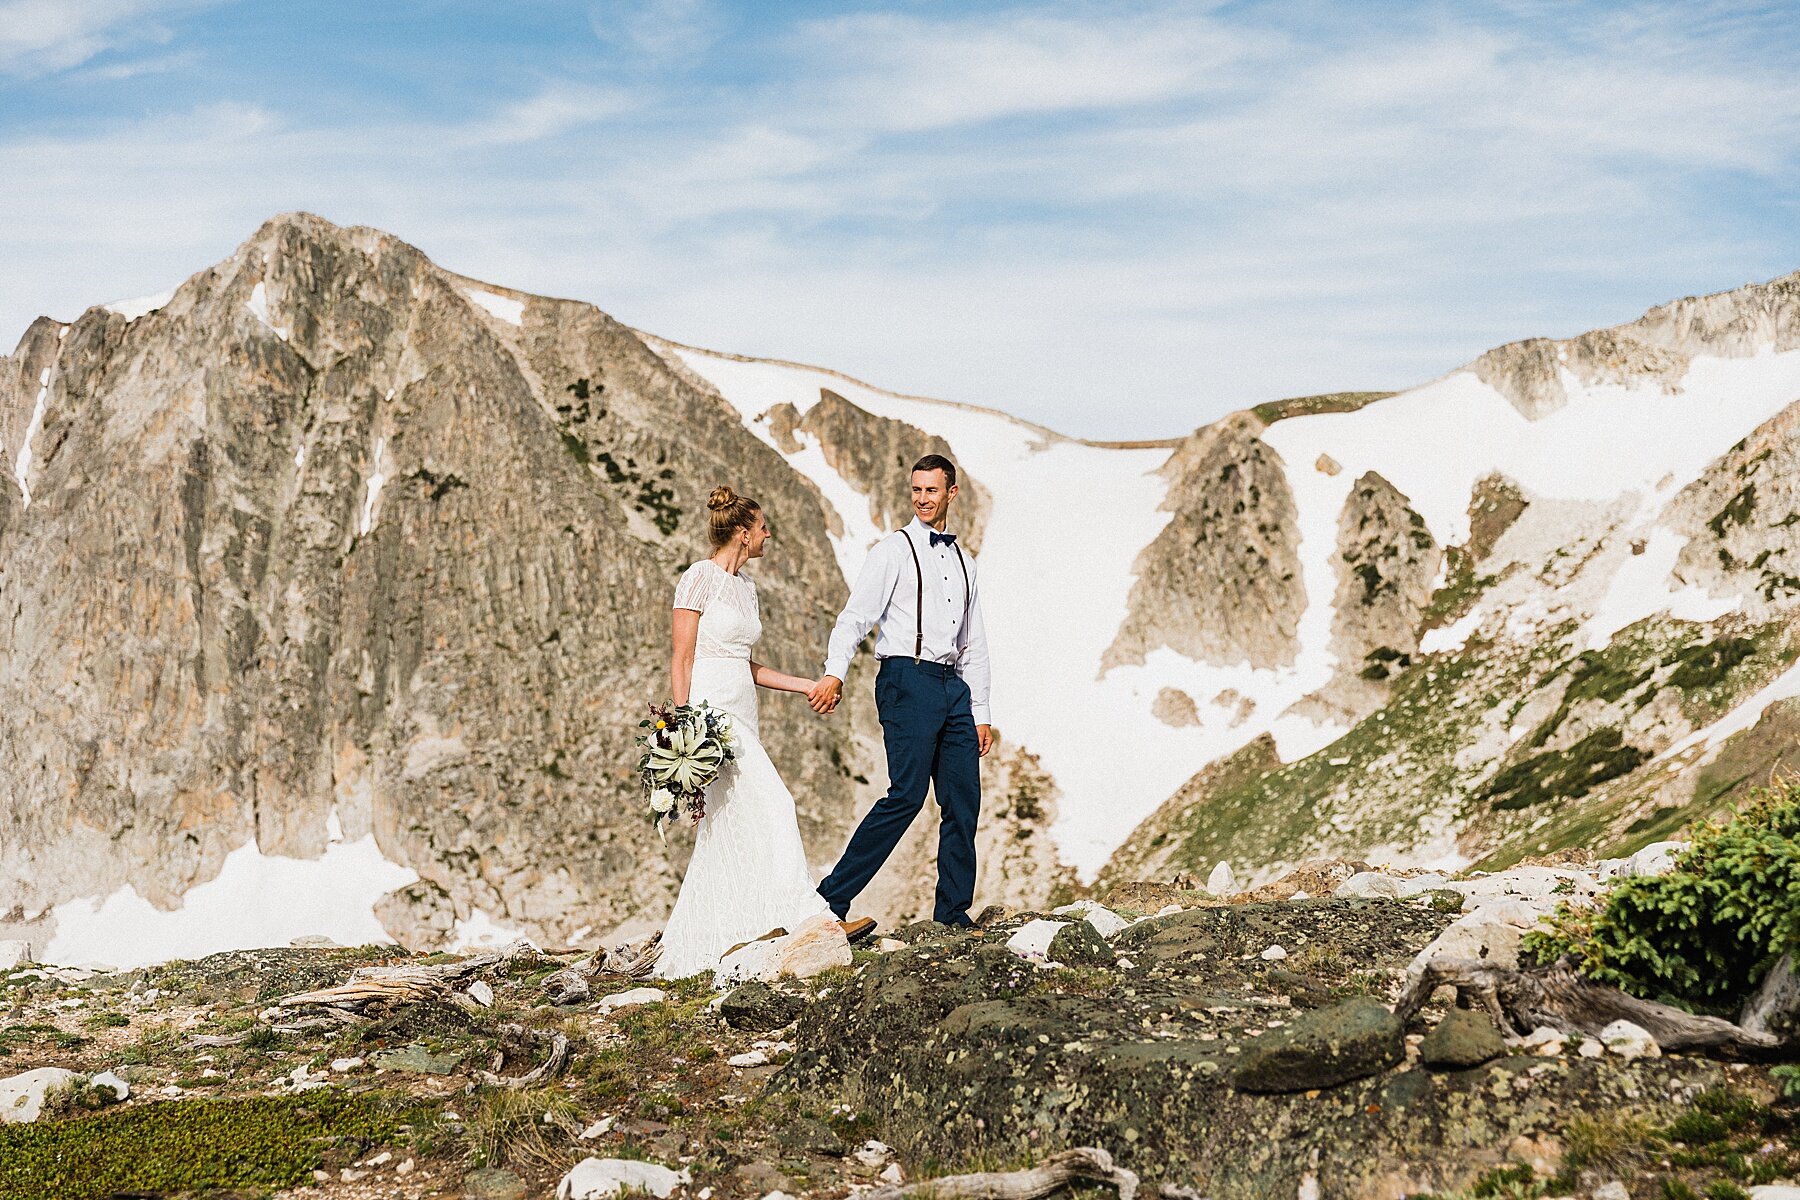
(930, 736)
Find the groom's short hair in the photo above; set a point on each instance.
(937, 462)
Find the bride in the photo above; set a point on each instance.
(748, 874)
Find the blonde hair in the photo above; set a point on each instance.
(730, 512)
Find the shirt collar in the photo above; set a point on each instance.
(920, 530)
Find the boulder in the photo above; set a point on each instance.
(817, 945)
(1222, 881)
(594, 1177)
(1105, 921)
(632, 998)
(1490, 934)
(493, 1183)
(22, 1096)
(1629, 1041)
(1464, 1038)
(1658, 858)
(757, 1007)
(1374, 885)
(1032, 940)
(415, 1059)
(110, 1081)
(1080, 945)
(1775, 1005)
(1323, 1048)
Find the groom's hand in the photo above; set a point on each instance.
(825, 693)
(984, 738)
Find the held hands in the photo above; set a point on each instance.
(825, 694)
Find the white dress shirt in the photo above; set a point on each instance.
(886, 594)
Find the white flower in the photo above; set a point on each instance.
(662, 800)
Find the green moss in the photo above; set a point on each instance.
(1565, 774)
(1707, 664)
(1737, 511)
(1307, 406)
(193, 1145)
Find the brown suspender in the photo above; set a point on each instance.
(919, 604)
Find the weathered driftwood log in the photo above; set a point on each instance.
(1523, 1000)
(630, 960)
(1774, 1008)
(406, 984)
(552, 1065)
(1086, 1163)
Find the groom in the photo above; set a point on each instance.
(931, 690)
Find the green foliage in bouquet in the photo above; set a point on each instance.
(1704, 934)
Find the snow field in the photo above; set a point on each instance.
(256, 899)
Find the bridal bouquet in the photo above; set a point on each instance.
(684, 748)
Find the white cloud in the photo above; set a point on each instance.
(656, 29)
(557, 109)
(42, 36)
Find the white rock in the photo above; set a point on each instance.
(1274, 954)
(382, 1159)
(603, 1125)
(1658, 858)
(405, 1167)
(594, 1177)
(1490, 934)
(1629, 1041)
(302, 1080)
(1222, 881)
(481, 993)
(1032, 940)
(107, 1079)
(892, 1174)
(1775, 1191)
(1612, 1189)
(873, 1153)
(1545, 1042)
(636, 996)
(311, 940)
(1373, 885)
(1591, 1048)
(14, 954)
(341, 1065)
(22, 1096)
(888, 945)
(1167, 910)
(1105, 921)
(749, 1058)
(817, 945)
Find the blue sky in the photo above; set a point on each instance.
(1120, 219)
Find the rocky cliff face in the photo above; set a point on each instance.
(875, 456)
(1221, 582)
(1388, 561)
(338, 531)
(1660, 345)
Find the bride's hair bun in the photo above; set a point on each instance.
(728, 513)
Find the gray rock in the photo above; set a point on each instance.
(763, 1178)
(493, 1183)
(811, 1137)
(1464, 1038)
(757, 1007)
(1322, 1048)
(1080, 945)
(416, 1059)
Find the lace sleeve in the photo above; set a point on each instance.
(696, 587)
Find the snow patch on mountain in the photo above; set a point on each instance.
(140, 306)
(256, 899)
(504, 307)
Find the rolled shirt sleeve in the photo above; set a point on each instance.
(868, 600)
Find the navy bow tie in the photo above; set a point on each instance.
(942, 539)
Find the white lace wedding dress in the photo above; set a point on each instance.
(748, 874)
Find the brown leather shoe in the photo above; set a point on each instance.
(858, 929)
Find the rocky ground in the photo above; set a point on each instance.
(1239, 1045)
